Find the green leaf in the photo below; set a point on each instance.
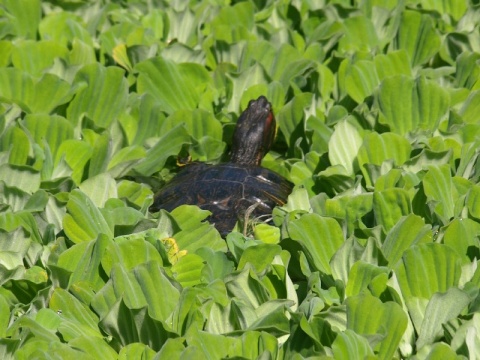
(18, 144)
(188, 270)
(99, 188)
(344, 145)
(359, 34)
(361, 276)
(83, 260)
(379, 148)
(247, 287)
(129, 326)
(103, 96)
(21, 177)
(361, 79)
(259, 256)
(95, 347)
(441, 308)
(24, 16)
(76, 153)
(64, 27)
(169, 144)
(417, 36)
(52, 130)
(196, 233)
(101, 155)
(424, 270)
(470, 108)
(174, 86)
(368, 316)
(84, 221)
(242, 81)
(462, 236)
(320, 237)
(408, 231)
(438, 186)
(455, 9)
(392, 63)
(77, 318)
(422, 104)
(33, 96)
(34, 57)
(291, 117)
(390, 205)
(350, 345)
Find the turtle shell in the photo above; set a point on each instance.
(226, 190)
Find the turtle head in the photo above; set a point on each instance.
(254, 133)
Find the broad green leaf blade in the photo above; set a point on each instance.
(25, 16)
(76, 154)
(99, 188)
(377, 148)
(259, 256)
(291, 116)
(174, 86)
(392, 63)
(84, 221)
(471, 107)
(77, 318)
(54, 130)
(129, 326)
(462, 236)
(188, 270)
(390, 205)
(102, 150)
(160, 291)
(169, 144)
(21, 177)
(103, 96)
(350, 345)
(132, 250)
(83, 260)
(196, 232)
(361, 276)
(95, 347)
(149, 122)
(320, 237)
(34, 57)
(454, 8)
(361, 80)
(359, 34)
(246, 286)
(64, 27)
(408, 231)
(17, 143)
(424, 270)
(418, 36)
(438, 186)
(410, 105)
(344, 145)
(367, 315)
(33, 96)
(441, 308)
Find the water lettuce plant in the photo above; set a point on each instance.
(374, 256)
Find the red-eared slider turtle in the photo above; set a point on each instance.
(229, 189)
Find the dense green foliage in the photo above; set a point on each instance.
(375, 254)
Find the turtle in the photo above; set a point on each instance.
(236, 189)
